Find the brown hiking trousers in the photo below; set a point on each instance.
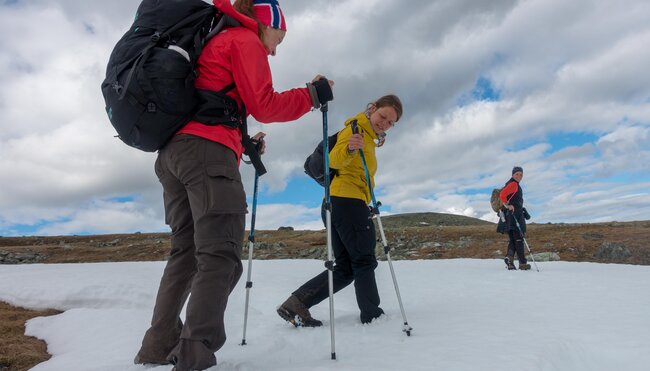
(205, 206)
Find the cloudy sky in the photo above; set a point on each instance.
(561, 88)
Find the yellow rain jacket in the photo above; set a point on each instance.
(350, 181)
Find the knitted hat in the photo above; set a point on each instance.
(516, 169)
(268, 12)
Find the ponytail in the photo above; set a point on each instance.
(246, 7)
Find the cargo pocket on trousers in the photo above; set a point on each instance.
(225, 192)
(365, 238)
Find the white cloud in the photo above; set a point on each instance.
(107, 217)
(558, 67)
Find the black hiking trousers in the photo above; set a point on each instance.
(516, 244)
(353, 244)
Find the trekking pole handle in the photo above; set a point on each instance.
(375, 204)
(355, 130)
(259, 144)
(252, 150)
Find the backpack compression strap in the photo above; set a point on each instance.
(163, 36)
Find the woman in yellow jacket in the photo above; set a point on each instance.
(353, 232)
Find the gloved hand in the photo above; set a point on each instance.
(258, 141)
(320, 92)
(525, 212)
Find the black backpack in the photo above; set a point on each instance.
(315, 165)
(149, 87)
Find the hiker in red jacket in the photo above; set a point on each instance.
(512, 197)
(205, 203)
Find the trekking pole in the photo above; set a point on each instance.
(525, 243)
(329, 264)
(251, 243)
(405, 328)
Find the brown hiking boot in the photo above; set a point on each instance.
(296, 313)
(140, 360)
(524, 266)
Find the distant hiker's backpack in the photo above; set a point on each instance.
(314, 164)
(495, 200)
(149, 86)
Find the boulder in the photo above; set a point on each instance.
(547, 256)
(613, 253)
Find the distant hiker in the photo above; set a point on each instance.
(353, 231)
(512, 197)
(205, 203)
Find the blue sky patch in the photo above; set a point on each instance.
(480, 191)
(483, 90)
(626, 178)
(575, 139)
(121, 199)
(557, 140)
(302, 190)
(24, 229)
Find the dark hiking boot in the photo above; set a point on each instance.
(524, 266)
(365, 319)
(296, 313)
(509, 264)
(139, 360)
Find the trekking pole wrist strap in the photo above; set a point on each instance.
(313, 95)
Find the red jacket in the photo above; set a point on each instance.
(508, 191)
(238, 55)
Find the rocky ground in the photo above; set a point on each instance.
(410, 236)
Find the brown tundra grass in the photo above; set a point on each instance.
(19, 352)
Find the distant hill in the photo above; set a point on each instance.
(410, 236)
(429, 219)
